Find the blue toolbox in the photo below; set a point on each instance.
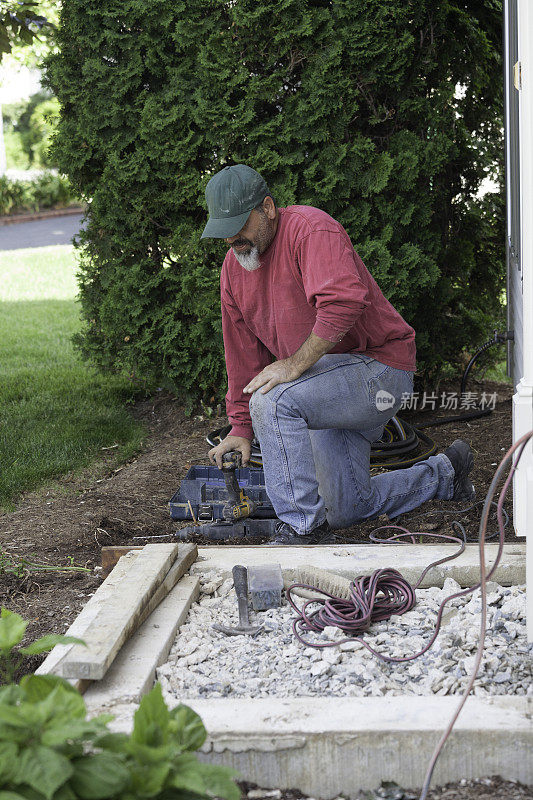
(204, 491)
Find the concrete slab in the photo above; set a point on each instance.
(132, 673)
(357, 559)
(329, 747)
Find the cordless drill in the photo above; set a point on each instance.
(238, 505)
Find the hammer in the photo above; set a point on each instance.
(240, 582)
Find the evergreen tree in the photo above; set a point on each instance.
(387, 114)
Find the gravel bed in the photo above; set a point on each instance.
(205, 663)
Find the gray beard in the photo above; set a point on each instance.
(249, 261)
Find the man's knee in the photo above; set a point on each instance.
(259, 405)
(264, 407)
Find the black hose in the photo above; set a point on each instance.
(401, 439)
(498, 338)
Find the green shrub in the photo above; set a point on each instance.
(49, 750)
(16, 157)
(32, 120)
(43, 122)
(12, 195)
(348, 105)
(52, 190)
(46, 190)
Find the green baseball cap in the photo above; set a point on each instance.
(231, 195)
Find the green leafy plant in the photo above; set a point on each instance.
(46, 190)
(19, 566)
(12, 195)
(49, 750)
(25, 119)
(43, 123)
(51, 190)
(12, 630)
(16, 157)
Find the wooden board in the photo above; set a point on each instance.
(52, 663)
(132, 673)
(187, 555)
(111, 555)
(120, 615)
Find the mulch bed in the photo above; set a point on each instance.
(24, 216)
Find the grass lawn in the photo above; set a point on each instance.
(56, 413)
(499, 372)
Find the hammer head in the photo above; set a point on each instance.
(246, 630)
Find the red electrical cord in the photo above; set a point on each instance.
(372, 599)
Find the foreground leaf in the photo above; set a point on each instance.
(16, 717)
(147, 781)
(8, 755)
(151, 719)
(219, 781)
(99, 776)
(27, 793)
(10, 695)
(28, 718)
(12, 630)
(48, 642)
(187, 728)
(114, 742)
(38, 687)
(64, 793)
(188, 775)
(77, 730)
(43, 769)
(63, 705)
(11, 796)
(145, 754)
(208, 780)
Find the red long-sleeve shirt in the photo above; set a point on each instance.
(310, 279)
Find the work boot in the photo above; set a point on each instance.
(286, 535)
(462, 461)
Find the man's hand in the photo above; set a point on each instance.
(243, 446)
(278, 372)
(289, 369)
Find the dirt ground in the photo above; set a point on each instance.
(493, 788)
(77, 516)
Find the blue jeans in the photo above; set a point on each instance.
(315, 435)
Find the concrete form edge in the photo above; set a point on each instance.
(359, 559)
(330, 747)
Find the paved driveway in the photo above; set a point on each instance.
(40, 232)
